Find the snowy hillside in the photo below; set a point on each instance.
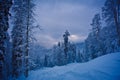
(103, 68)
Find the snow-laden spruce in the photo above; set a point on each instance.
(102, 68)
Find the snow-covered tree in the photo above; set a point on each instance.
(111, 14)
(65, 36)
(108, 39)
(18, 39)
(96, 25)
(79, 57)
(29, 27)
(46, 61)
(21, 35)
(58, 54)
(93, 43)
(71, 55)
(59, 57)
(4, 37)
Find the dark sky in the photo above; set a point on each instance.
(55, 16)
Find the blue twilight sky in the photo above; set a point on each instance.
(55, 16)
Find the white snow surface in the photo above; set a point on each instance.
(103, 68)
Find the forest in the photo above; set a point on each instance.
(22, 57)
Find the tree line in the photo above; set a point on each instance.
(104, 38)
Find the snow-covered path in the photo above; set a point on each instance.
(103, 68)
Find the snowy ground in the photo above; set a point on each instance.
(103, 68)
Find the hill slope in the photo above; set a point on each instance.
(103, 68)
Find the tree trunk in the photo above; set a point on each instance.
(27, 39)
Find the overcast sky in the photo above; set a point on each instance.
(56, 16)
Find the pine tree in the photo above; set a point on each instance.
(18, 39)
(65, 36)
(21, 36)
(71, 54)
(96, 25)
(46, 61)
(60, 54)
(4, 13)
(111, 14)
(30, 26)
(79, 56)
(96, 28)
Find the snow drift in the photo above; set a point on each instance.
(103, 68)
